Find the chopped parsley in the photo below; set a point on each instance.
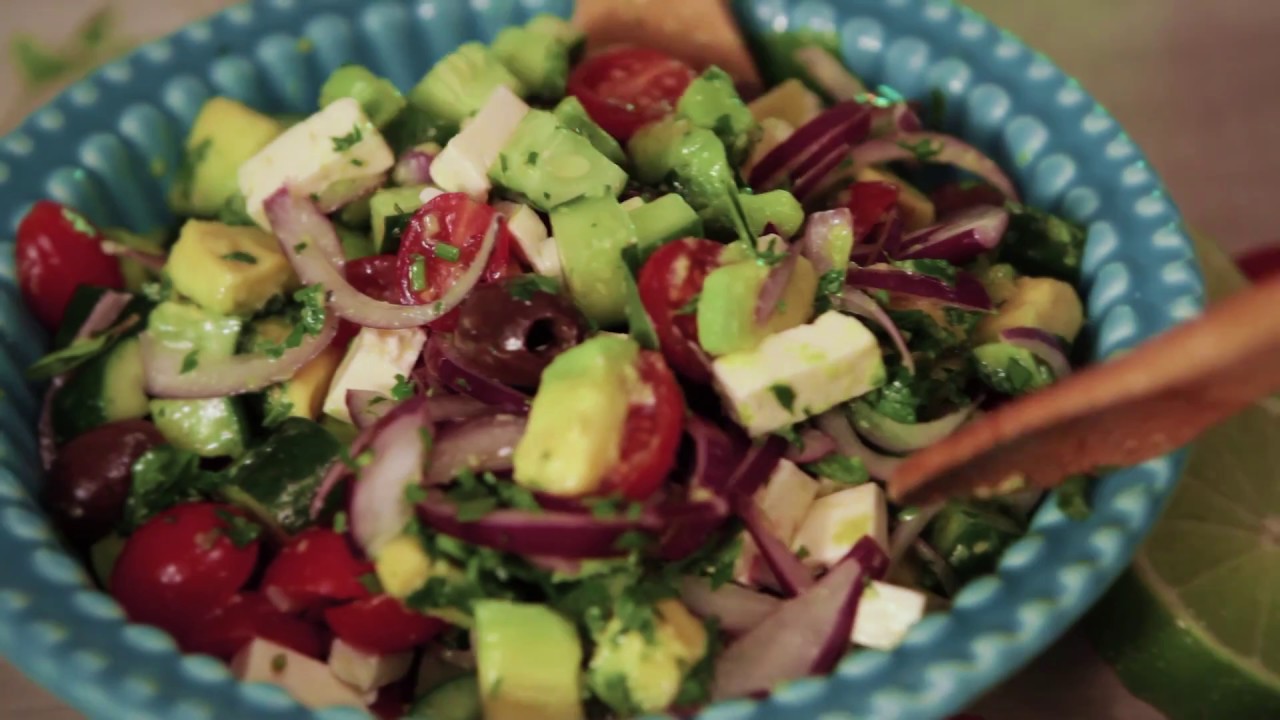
(189, 362)
(403, 389)
(340, 521)
(532, 158)
(240, 530)
(689, 307)
(311, 320)
(79, 352)
(1073, 497)
(415, 493)
(370, 583)
(279, 662)
(785, 395)
(839, 468)
(159, 290)
(940, 269)
(240, 257)
(417, 272)
(357, 162)
(924, 150)
(279, 407)
(343, 143)
(161, 478)
(299, 247)
(502, 160)
(447, 252)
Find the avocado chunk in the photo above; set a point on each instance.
(711, 102)
(224, 135)
(552, 165)
(562, 30)
(637, 672)
(228, 270)
(693, 161)
(458, 86)
(776, 207)
(573, 116)
(789, 101)
(211, 427)
(1010, 369)
(663, 220)
(727, 307)
(590, 236)
(539, 61)
(528, 661)
(377, 96)
(575, 424)
(303, 394)
(277, 480)
(391, 204)
(1039, 302)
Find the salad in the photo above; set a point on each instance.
(557, 387)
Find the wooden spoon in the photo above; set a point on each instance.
(1122, 412)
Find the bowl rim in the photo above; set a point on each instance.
(972, 649)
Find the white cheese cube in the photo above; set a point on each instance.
(836, 522)
(306, 679)
(372, 362)
(829, 361)
(366, 671)
(632, 203)
(463, 165)
(784, 500)
(336, 145)
(530, 232)
(885, 614)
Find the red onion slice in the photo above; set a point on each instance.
(738, 609)
(757, 465)
(413, 168)
(1045, 346)
(220, 377)
(480, 444)
(829, 73)
(715, 459)
(543, 533)
(379, 508)
(366, 407)
(888, 233)
(848, 122)
(815, 445)
(774, 286)
(964, 236)
(893, 120)
(834, 423)
(856, 302)
(791, 574)
(687, 525)
(805, 636)
(967, 293)
(452, 408)
(816, 241)
(950, 151)
(149, 260)
(900, 437)
(453, 373)
(304, 233)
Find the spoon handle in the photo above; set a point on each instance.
(1121, 412)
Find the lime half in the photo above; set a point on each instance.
(1194, 626)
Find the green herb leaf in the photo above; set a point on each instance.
(279, 407)
(690, 307)
(525, 286)
(371, 583)
(189, 362)
(348, 141)
(241, 531)
(161, 478)
(415, 493)
(1073, 497)
(417, 272)
(340, 521)
(785, 395)
(839, 468)
(240, 257)
(79, 352)
(447, 252)
(403, 389)
(924, 150)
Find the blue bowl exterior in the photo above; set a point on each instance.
(110, 145)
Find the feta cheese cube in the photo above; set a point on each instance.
(372, 362)
(336, 145)
(829, 361)
(367, 671)
(885, 614)
(306, 679)
(784, 500)
(463, 165)
(836, 522)
(531, 235)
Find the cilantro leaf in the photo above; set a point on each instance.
(79, 352)
(240, 530)
(163, 477)
(189, 362)
(403, 389)
(342, 143)
(524, 286)
(785, 395)
(924, 150)
(839, 468)
(241, 257)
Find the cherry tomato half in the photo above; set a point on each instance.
(58, 251)
(625, 88)
(669, 281)
(223, 632)
(426, 270)
(181, 565)
(652, 432)
(382, 625)
(870, 202)
(315, 568)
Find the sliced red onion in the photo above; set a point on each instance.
(413, 168)
(738, 609)
(346, 192)
(163, 365)
(811, 174)
(774, 286)
(815, 445)
(366, 407)
(964, 236)
(151, 261)
(687, 525)
(453, 373)
(480, 444)
(757, 465)
(304, 233)
(816, 241)
(847, 122)
(542, 533)
(887, 233)
(856, 302)
(829, 73)
(834, 424)
(907, 532)
(379, 507)
(1045, 346)
(791, 574)
(900, 437)
(339, 471)
(967, 293)
(893, 120)
(950, 151)
(716, 457)
(452, 408)
(805, 636)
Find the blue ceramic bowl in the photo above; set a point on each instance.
(110, 145)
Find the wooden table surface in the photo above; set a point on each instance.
(1188, 78)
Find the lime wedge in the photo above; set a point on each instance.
(1194, 626)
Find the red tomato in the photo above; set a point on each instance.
(181, 565)
(870, 202)
(954, 197)
(374, 276)
(625, 88)
(245, 616)
(458, 221)
(57, 251)
(1260, 263)
(382, 625)
(315, 568)
(652, 432)
(670, 279)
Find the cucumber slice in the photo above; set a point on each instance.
(453, 700)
